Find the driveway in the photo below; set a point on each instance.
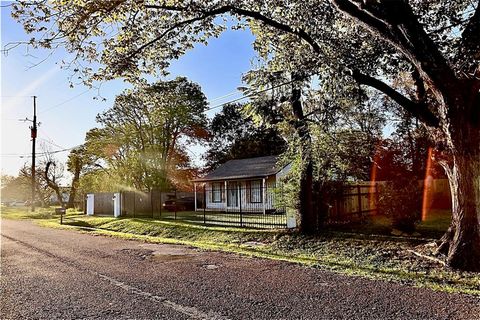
(61, 274)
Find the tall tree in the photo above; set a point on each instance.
(79, 162)
(144, 136)
(51, 179)
(235, 135)
(43, 192)
(438, 39)
(328, 139)
(15, 188)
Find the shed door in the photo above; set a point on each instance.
(116, 204)
(90, 204)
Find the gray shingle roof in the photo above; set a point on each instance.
(244, 168)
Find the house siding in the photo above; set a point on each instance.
(243, 196)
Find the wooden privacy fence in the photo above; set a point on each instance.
(349, 203)
(148, 204)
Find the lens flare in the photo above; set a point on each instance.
(372, 189)
(372, 192)
(427, 186)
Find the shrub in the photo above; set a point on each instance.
(401, 201)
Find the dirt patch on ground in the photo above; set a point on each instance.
(138, 254)
(167, 253)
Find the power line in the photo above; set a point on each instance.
(45, 153)
(228, 102)
(50, 140)
(64, 102)
(23, 97)
(12, 119)
(225, 96)
(251, 94)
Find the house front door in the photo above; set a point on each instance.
(232, 194)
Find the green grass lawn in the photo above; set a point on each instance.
(435, 224)
(356, 252)
(40, 213)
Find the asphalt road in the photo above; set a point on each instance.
(59, 274)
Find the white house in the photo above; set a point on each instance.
(245, 185)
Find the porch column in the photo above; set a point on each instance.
(195, 193)
(226, 195)
(263, 194)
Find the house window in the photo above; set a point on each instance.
(256, 191)
(217, 192)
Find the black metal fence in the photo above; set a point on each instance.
(235, 205)
(243, 205)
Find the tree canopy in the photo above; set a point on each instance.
(234, 135)
(143, 137)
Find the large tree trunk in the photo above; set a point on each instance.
(308, 219)
(462, 240)
(73, 189)
(51, 184)
(464, 248)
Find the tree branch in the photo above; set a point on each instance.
(52, 184)
(395, 21)
(163, 34)
(302, 34)
(471, 35)
(365, 18)
(278, 25)
(420, 92)
(418, 110)
(164, 7)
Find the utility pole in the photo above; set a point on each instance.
(33, 133)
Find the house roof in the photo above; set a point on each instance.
(244, 168)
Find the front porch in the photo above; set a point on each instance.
(259, 195)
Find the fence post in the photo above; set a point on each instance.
(226, 196)
(151, 201)
(134, 199)
(359, 197)
(240, 203)
(161, 204)
(121, 203)
(337, 208)
(176, 204)
(195, 199)
(264, 188)
(204, 204)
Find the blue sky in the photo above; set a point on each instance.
(66, 114)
